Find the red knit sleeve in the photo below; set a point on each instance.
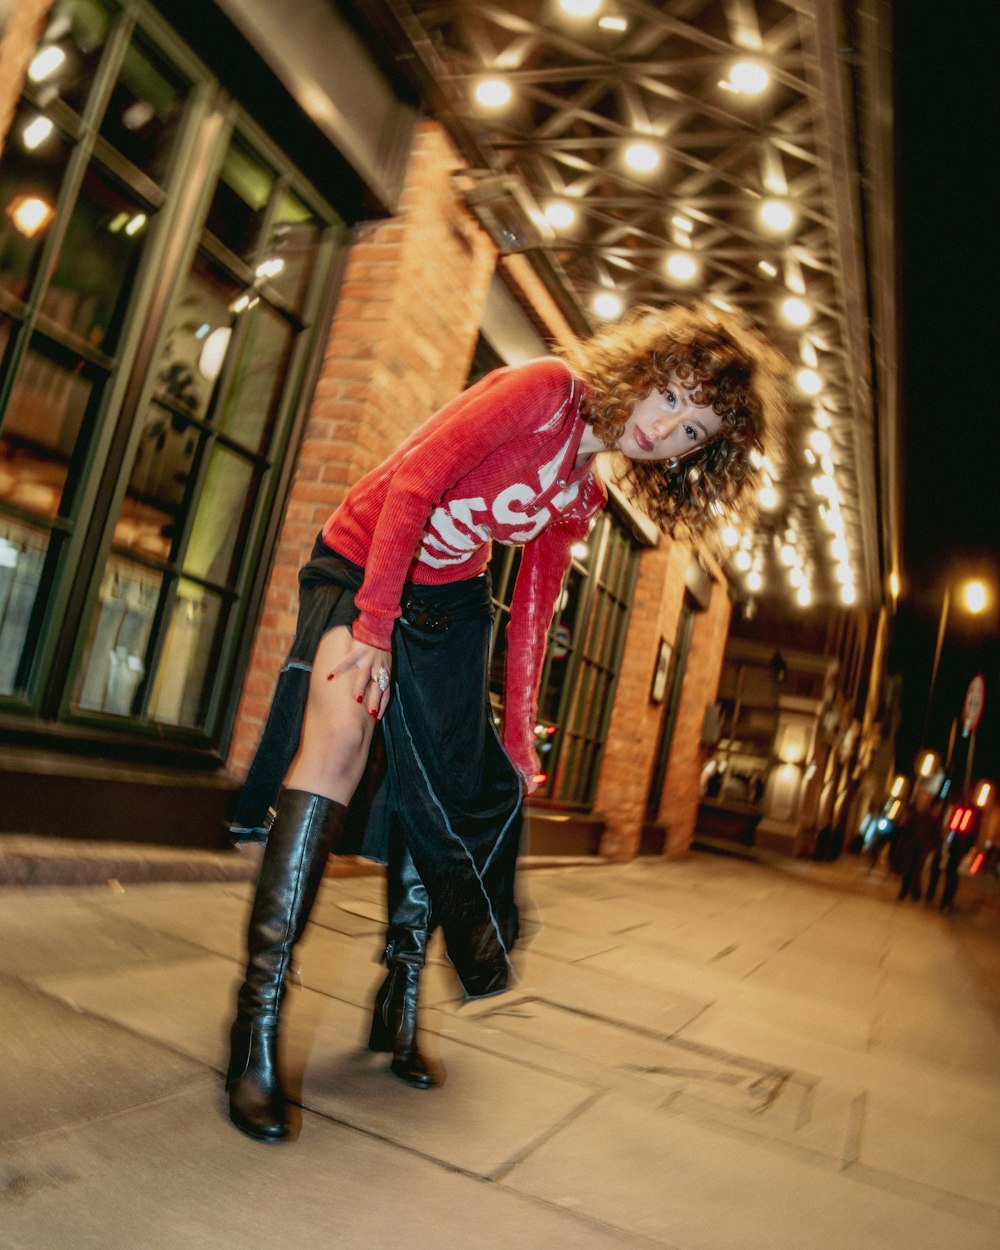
(544, 562)
(500, 408)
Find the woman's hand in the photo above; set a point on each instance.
(369, 670)
(525, 760)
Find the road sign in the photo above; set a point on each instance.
(972, 708)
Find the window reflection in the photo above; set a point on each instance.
(115, 658)
(22, 556)
(183, 681)
(220, 523)
(152, 510)
(27, 173)
(197, 340)
(66, 60)
(144, 109)
(41, 428)
(258, 379)
(294, 238)
(240, 200)
(89, 290)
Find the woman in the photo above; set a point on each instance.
(394, 630)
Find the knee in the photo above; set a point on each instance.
(340, 749)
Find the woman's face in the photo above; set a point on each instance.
(667, 423)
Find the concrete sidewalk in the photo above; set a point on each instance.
(712, 1053)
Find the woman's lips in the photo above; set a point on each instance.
(643, 443)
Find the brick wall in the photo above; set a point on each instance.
(401, 344)
(18, 40)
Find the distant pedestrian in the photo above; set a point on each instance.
(957, 845)
(915, 840)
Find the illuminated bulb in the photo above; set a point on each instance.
(613, 23)
(580, 551)
(559, 215)
(974, 596)
(776, 216)
(787, 555)
(240, 303)
(749, 77)
(796, 312)
(270, 268)
(213, 353)
(742, 560)
(796, 576)
(768, 268)
(820, 442)
(767, 497)
(756, 459)
(45, 63)
(135, 224)
(808, 381)
(894, 585)
(607, 305)
(682, 266)
(844, 574)
(803, 596)
(493, 93)
(642, 157)
(822, 419)
(29, 214)
(848, 594)
(579, 8)
(838, 549)
(810, 456)
(682, 223)
(807, 352)
(754, 580)
(730, 536)
(824, 485)
(36, 132)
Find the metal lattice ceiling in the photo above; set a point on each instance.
(582, 91)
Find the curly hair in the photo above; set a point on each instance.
(720, 360)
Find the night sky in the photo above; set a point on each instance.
(947, 122)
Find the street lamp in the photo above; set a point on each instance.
(975, 596)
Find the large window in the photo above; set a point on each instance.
(582, 660)
(162, 267)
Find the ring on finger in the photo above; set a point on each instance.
(381, 679)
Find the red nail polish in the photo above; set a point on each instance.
(360, 698)
(330, 676)
(373, 714)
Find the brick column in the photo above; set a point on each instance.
(634, 729)
(400, 346)
(18, 40)
(635, 721)
(679, 805)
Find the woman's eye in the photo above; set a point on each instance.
(691, 432)
(670, 398)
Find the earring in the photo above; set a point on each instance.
(672, 463)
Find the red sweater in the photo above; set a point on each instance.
(496, 462)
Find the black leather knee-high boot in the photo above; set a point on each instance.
(306, 830)
(394, 1026)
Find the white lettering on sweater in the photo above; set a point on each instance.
(458, 527)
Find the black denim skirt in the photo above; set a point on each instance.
(437, 769)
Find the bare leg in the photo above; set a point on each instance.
(337, 731)
(308, 824)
